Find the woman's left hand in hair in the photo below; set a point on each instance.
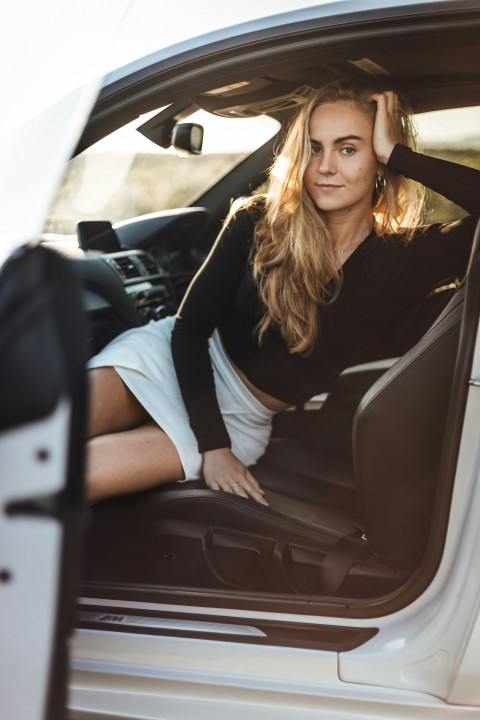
(387, 128)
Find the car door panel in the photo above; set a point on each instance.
(42, 391)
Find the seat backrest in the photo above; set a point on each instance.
(398, 436)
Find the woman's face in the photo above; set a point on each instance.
(342, 170)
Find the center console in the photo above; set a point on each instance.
(149, 287)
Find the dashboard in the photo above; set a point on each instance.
(137, 271)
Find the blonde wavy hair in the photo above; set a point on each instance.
(293, 255)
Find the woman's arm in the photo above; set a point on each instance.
(207, 300)
(458, 183)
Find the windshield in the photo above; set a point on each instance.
(125, 175)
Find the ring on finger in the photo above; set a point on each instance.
(234, 486)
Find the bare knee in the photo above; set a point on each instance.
(130, 461)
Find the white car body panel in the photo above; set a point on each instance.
(151, 677)
(422, 646)
(30, 550)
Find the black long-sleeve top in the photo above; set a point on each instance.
(384, 280)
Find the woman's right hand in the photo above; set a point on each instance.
(386, 129)
(223, 471)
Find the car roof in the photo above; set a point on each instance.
(138, 39)
(269, 65)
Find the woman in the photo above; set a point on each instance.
(315, 276)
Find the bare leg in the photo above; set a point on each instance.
(127, 451)
(130, 461)
(112, 407)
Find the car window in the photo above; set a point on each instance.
(451, 135)
(125, 174)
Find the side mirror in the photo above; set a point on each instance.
(188, 138)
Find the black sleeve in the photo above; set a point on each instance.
(206, 302)
(458, 183)
(437, 254)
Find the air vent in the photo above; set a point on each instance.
(148, 265)
(134, 265)
(126, 267)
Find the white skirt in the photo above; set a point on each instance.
(143, 359)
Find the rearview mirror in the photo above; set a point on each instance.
(188, 138)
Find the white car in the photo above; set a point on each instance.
(356, 592)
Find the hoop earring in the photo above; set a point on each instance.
(380, 183)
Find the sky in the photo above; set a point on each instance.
(450, 126)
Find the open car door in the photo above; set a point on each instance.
(42, 411)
